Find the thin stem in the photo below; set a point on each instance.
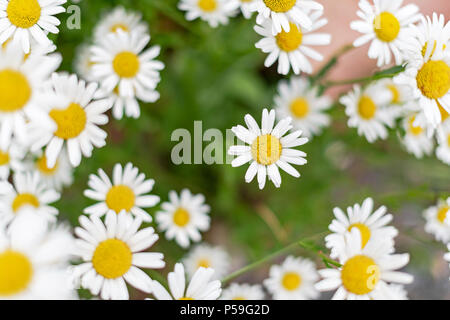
(331, 63)
(271, 219)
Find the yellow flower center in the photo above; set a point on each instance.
(15, 90)
(444, 113)
(41, 165)
(207, 5)
(119, 26)
(24, 199)
(112, 258)
(291, 281)
(266, 149)
(70, 122)
(4, 158)
(16, 272)
(239, 298)
(434, 79)
(120, 198)
(181, 217)
(300, 107)
(366, 108)
(363, 230)
(203, 263)
(395, 93)
(126, 64)
(23, 13)
(280, 5)
(360, 274)
(290, 41)
(415, 130)
(186, 298)
(386, 27)
(442, 213)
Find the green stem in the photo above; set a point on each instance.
(330, 64)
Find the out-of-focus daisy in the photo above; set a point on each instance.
(282, 12)
(127, 192)
(215, 12)
(34, 258)
(74, 118)
(184, 217)
(268, 149)
(447, 255)
(23, 19)
(293, 48)
(416, 139)
(371, 224)
(111, 254)
(366, 272)
(385, 23)
(83, 62)
(11, 159)
(207, 256)
(368, 112)
(443, 137)
(438, 220)
(28, 190)
(123, 67)
(400, 99)
(243, 292)
(294, 279)
(201, 287)
(300, 102)
(247, 8)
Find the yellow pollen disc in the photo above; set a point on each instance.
(386, 27)
(181, 217)
(16, 272)
(4, 158)
(119, 26)
(434, 79)
(15, 91)
(185, 298)
(207, 5)
(239, 298)
(24, 199)
(415, 130)
(444, 113)
(360, 274)
(23, 13)
(246, 0)
(112, 258)
(70, 122)
(364, 230)
(291, 281)
(300, 107)
(395, 93)
(290, 41)
(280, 5)
(126, 64)
(41, 165)
(366, 108)
(203, 263)
(266, 149)
(442, 213)
(120, 198)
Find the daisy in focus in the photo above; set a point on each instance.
(372, 226)
(366, 271)
(11, 160)
(443, 137)
(416, 139)
(297, 100)
(294, 279)
(127, 192)
(385, 23)
(184, 217)
(112, 255)
(201, 287)
(438, 220)
(215, 12)
(293, 48)
(22, 20)
(247, 8)
(268, 148)
(243, 292)
(206, 256)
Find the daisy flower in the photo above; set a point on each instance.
(268, 149)
(206, 256)
(184, 217)
(366, 271)
(27, 190)
(297, 100)
(201, 287)
(73, 120)
(11, 160)
(127, 192)
(247, 7)
(214, 12)
(23, 19)
(385, 24)
(111, 254)
(416, 139)
(123, 67)
(282, 12)
(83, 62)
(371, 224)
(20, 82)
(400, 99)
(368, 112)
(447, 255)
(34, 257)
(438, 220)
(243, 292)
(443, 148)
(293, 48)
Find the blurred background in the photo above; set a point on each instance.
(217, 76)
